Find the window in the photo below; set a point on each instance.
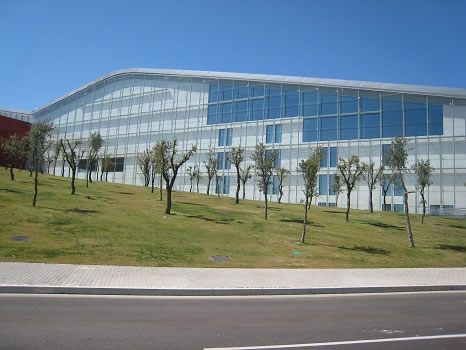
(223, 185)
(397, 188)
(348, 104)
(415, 119)
(225, 92)
(241, 92)
(309, 101)
(322, 204)
(225, 112)
(257, 109)
(324, 161)
(257, 91)
(392, 118)
(273, 133)
(386, 207)
(273, 188)
(323, 185)
(241, 111)
(328, 129)
(333, 157)
(328, 104)
(331, 184)
(310, 130)
(274, 101)
(229, 137)
(369, 104)
(221, 137)
(220, 160)
(213, 93)
(435, 119)
(398, 208)
(277, 161)
(349, 127)
(370, 126)
(291, 100)
(385, 148)
(219, 187)
(212, 114)
(227, 161)
(119, 163)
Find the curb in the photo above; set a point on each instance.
(221, 291)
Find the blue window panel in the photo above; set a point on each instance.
(386, 207)
(323, 185)
(291, 100)
(328, 129)
(388, 185)
(213, 93)
(348, 104)
(328, 104)
(385, 148)
(241, 111)
(241, 92)
(324, 161)
(220, 160)
(369, 104)
(219, 187)
(225, 93)
(370, 126)
(415, 119)
(273, 107)
(227, 161)
(310, 130)
(397, 188)
(257, 91)
(333, 157)
(278, 133)
(435, 119)
(392, 118)
(349, 127)
(212, 115)
(226, 185)
(221, 137)
(257, 110)
(229, 137)
(331, 184)
(309, 101)
(278, 160)
(269, 134)
(275, 183)
(398, 208)
(226, 112)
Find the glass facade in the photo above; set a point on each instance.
(134, 110)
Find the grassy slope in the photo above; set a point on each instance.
(126, 225)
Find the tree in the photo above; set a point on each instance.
(144, 164)
(158, 155)
(397, 160)
(372, 178)
(154, 167)
(38, 137)
(350, 172)
(281, 174)
(245, 175)
(191, 174)
(56, 154)
(337, 187)
(264, 164)
(197, 177)
(72, 158)
(95, 144)
(236, 158)
(15, 151)
(106, 166)
(309, 169)
(211, 166)
(423, 171)
(170, 166)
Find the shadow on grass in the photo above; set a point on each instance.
(10, 190)
(456, 248)
(382, 225)
(368, 249)
(458, 226)
(196, 204)
(202, 217)
(334, 211)
(268, 208)
(73, 210)
(300, 221)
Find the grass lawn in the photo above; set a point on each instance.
(126, 225)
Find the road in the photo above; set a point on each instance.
(114, 322)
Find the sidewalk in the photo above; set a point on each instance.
(97, 279)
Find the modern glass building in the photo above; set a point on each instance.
(134, 108)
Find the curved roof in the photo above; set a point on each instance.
(337, 83)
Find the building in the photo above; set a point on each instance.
(14, 122)
(134, 108)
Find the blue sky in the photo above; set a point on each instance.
(49, 48)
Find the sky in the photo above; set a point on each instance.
(49, 48)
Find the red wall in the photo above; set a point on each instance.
(10, 126)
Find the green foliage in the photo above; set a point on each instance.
(264, 165)
(351, 172)
(309, 169)
(15, 151)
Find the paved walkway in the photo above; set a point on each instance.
(97, 279)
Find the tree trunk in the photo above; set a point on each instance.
(197, 186)
(191, 185)
(371, 205)
(384, 200)
(348, 204)
(169, 200)
(73, 188)
(106, 176)
(161, 188)
(36, 180)
(101, 175)
(303, 234)
(90, 175)
(12, 175)
(408, 222)
(63, 169)
(208, 186)
(153, 181)
(54, 166)
(336, 200)
(238, 185)
(265, 207)
(244, 190)
(423, 206)
(87, 178)
(281, 195)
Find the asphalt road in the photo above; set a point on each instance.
(93, 322)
